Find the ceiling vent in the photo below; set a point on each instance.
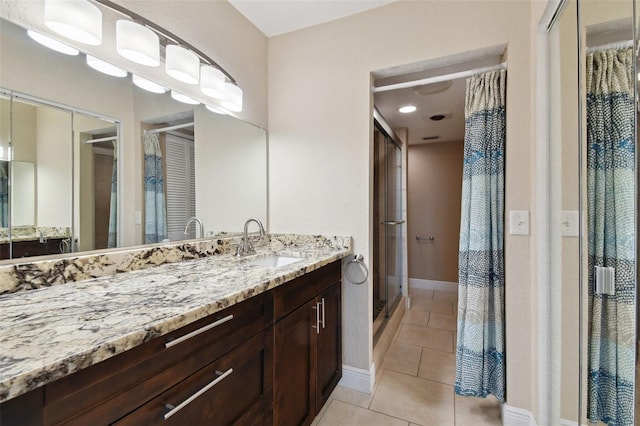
(432, 89)
(439, 116)
(430, 138)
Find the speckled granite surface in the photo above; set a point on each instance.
(48, 333)
(28, 233)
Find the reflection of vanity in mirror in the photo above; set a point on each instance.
(594, 173)
(73, 158)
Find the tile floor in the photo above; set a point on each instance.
(414, 385)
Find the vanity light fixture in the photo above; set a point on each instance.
(407, 109)
(77, 20)
(147, 85)
(212, 81)
(217, 109)
(182, 64)
(232, 97)
(105, 67)
(137, 43)
(183, 98)
(53, 44)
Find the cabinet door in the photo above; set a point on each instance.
(294, 384)
(329, 346)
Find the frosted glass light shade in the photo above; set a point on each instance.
(212, 81)
(182, 64)
(77, 20)
(137, 43)
(217, 109)
(183, 98)
(105, 67)
(147, 85)
(56, 45)
(232, 97)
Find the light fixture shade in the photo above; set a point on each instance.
(217, 109)
(147, 85)
(77, 20)
(407, 109)
(56, 45)
(105, 67)
(212, 81)
(232, 97)
(183, 98)
(137, 43)
(182, 64)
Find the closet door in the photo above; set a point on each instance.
(180, 182)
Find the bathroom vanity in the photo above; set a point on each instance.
(215, 340)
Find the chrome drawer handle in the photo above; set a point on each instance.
(323, 317)
(174, 410)
(198, 331)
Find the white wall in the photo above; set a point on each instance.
(320, 140)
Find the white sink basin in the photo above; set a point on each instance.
(275, 261)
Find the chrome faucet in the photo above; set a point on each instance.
(245, 247)
(194, 219)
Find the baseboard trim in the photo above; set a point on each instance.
(417, 283)
(358, 378)
(513, 416)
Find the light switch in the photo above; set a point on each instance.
(137, 217)
(569, 223)
(519, 222)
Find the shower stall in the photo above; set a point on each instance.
(388, 222)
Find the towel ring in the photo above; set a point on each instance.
(356, 271)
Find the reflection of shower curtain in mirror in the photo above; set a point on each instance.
(113, 207)
(480, 357)
(155, 210)
(4, 194)
(610, 188)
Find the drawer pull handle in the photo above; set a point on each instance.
(174, 410)
(198, 331)
(323, 317)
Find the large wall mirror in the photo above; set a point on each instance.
(75, 150)
(594, 195)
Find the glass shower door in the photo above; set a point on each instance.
(387, 269)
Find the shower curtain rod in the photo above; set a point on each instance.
(169, 128)
(439, 78)
(107, 139)
(616, 45)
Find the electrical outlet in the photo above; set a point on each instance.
(519, 222)
(569, 223)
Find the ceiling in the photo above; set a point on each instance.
(275, 17)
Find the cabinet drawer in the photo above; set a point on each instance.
(235, 389)
(292, 295)
(109, 390)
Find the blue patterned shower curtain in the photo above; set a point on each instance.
(4, 194)
(113, 207)
(610, 205)
(155, 209)
(480, 352)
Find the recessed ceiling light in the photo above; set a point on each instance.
(53, 44)
(406, 109)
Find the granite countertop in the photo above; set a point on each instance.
(49, 333)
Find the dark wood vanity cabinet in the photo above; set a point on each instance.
(308, 345)
(140, 385)
(271, 359)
